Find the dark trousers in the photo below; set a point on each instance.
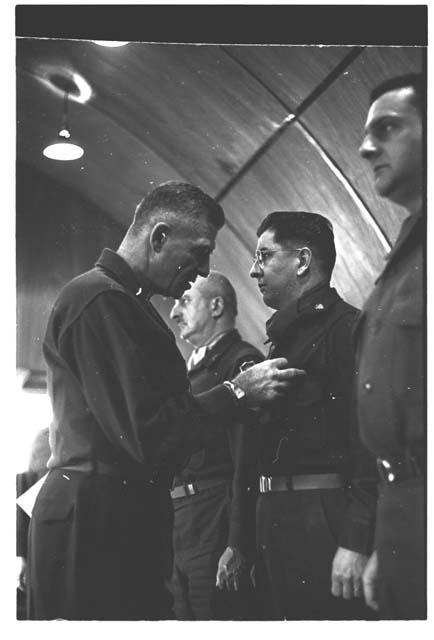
(400, 543)
(297, 538)
(200, 537)
(99, 549)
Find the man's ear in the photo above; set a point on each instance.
(304, 260)
(217, 306)
(159, 235)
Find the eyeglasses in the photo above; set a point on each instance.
(261, 255)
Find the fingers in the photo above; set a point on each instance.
(289, 374)
(279, 363)
(343, 587)
(370, 577)
(346, 588)
(358, 588)
(221, 577)
(370, 597)
(336, 587)
(370, 593)
(227, 580)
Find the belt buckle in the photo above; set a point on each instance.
(385, 470)
(189, 489)
(264, 484)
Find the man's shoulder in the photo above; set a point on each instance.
(86, 286)
(341, 318)
(78, 294)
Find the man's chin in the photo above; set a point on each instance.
(383, 187)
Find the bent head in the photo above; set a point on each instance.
(393, 139)
(208, 307)
(173, 235)
(295, 251)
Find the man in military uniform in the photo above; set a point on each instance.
(317, 487)
(124, 418)
(213, 509)
(391, 346)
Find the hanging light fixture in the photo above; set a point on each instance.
(64, 148)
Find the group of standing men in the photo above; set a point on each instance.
(303, 436)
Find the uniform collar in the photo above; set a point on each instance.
(314, 302)
(121, 271)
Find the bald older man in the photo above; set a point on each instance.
(214, 513)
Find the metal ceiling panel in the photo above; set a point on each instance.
(197, 109)
(290, 72)
(337, 119)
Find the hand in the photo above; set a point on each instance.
(370, 577)
(21, 573)
(267, 380)
(347, 571)
(230, 569)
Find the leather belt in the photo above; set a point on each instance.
(98, 467)
(399, 469)
(268, 484)
(126, 476)
(184, 490)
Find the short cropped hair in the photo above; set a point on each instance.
(302, 227)
(415, 81)
(216, 284)
(179, 198)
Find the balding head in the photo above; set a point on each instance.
(217, 285)
(208, 308)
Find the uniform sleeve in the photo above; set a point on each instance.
(242, 443)
(358, 530)
(116, 376)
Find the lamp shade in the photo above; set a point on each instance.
(63, 151)
(110, 43)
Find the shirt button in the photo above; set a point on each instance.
(368, 386)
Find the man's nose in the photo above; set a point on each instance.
(368, 148)
(255, 270)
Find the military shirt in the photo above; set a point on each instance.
(117, 380)
(312, 430)
(391, 349)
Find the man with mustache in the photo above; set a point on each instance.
(213, 508)
(391, 345)
(124, 418)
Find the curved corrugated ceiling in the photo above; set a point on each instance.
(218, 117)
